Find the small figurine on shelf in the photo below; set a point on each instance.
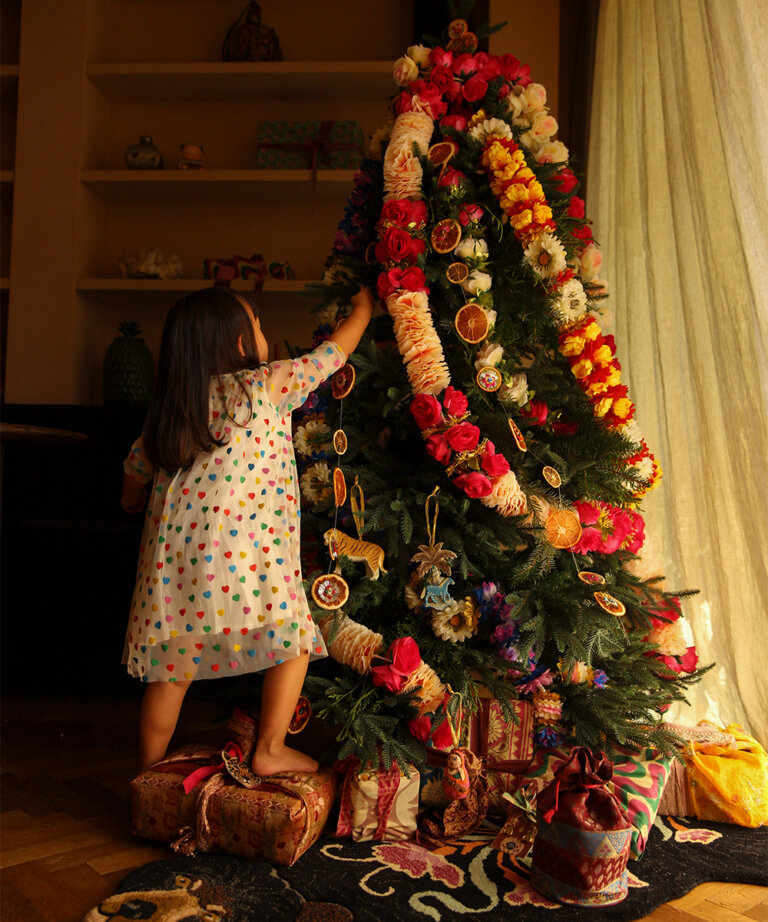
(248, 40)
(150, 264)
(144, 155)
(190, 157)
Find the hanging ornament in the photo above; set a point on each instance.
(441, 153)
(592, 579)
(460, 39)
(445, 236)
(357, 550)
(456, 779)
(330, 591)
(488, 379)
(301, 714)
(339, 487)
(471, 323)
(562, 528)
(517, 435)
(610, 604)
(343, 381)
(456, 273)
(551, 475)
(340, 443)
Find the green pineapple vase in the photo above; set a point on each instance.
(128, 369)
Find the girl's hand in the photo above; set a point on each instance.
(364, 300)
(348, 333)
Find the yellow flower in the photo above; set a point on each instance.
(603, 355)
(522, 220)
(601, 407)
(622, 407)
(581, 369)
(542, 213)
(572, 344)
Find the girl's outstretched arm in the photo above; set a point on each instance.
(349, 332)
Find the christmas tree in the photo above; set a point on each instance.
(474, 475)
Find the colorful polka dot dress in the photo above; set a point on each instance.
(219, 587)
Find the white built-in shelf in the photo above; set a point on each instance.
(107, 285)
(204, 82)
(216, 185)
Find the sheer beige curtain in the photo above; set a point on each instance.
(678, 191)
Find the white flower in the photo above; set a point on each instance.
(491, 126)
(534, 96)
(378, 139)
(472, 248)
(491, 319)
(552, 152)
(632, 431)
(543, 126)
(515, 389)
(515, 104)
(527, 139)
(405, 70)
(490, 354)
(590, 263)
(313, 436)
(570, 303)
(476, 282)
(316, 482)
(420, 54)
(546, 256)
(453, 624)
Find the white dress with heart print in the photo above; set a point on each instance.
(219, 587)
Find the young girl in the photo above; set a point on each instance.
(219, 586)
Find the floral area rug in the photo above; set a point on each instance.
(340, 881)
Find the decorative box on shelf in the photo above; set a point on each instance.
(326, 145)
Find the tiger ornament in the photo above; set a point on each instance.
(356, 550)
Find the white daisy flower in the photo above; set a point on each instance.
(546, 256)
(570, 303)
(454, 623)
(491, 127)
(313, 436)
(316, 482)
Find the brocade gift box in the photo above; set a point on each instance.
(309, 145)
(379, 805)
(276, 821)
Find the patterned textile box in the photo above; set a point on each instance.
(309, 145)
(380, 805)
(275, 822)
(507, 748)
(638, 779)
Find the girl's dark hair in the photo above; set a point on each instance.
(199, 342)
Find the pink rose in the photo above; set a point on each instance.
(463, 436)
(512, 70)
(438, 448)
(576, 208)
(402, 212)
(470, 213)
(420, 727)
(430, 97)
(689, 660)
(406, 657)
(464, 65)
(442, 737)
(439, 57)
(474, 484)
(568, 180)
(426, 410)
(535, 412)
(451, 177)
(413, 279)
(488, 65)
(403, 102)
(494, 465)
(475, 88)
(457, 122)
(454, 401)
(386, 677)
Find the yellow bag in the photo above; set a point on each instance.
(729, 784)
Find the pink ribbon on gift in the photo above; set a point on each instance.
(192, 781)
(318, 147)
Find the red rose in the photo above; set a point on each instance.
(420, 727)
(426, 410)
(403, 102)
(438, 448)
(583, 233)
(535, 412)
(454, 401)
(475, 88)
(451, 177)
(430, 96)
(463, 436)
(488, 65)
(470, 213)
(457, 122)
(418, 212)
(412, 279)
(442, 738)
(510, 67)
(397, 211)
(568, 180)
(398, 246)
(565, 428)
(439, 57)
(576, 208)
(474, 484)
(464, 64)
(406, 658)
(386, 677)
(494, 465)
(442, 78)
(689, 660)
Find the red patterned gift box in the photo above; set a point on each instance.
(379, 804)
(277, 821)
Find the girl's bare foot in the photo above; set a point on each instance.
(284, 759)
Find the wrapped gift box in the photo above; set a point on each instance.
(638, 779)
(379, 804)
(309, 145)
(277, 821)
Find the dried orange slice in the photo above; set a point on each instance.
(330, 591)
(562, 528)
(457, 28)
(517, 435)
(457, 273)
(592, 579)
(552, 476)
(441, 152)
(301, 714)
(610, 604)
(343, 381)
(370, 253)
(340, 443)
(471, 323)
(339, 487)
(445, 236)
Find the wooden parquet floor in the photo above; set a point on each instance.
(65, 839)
